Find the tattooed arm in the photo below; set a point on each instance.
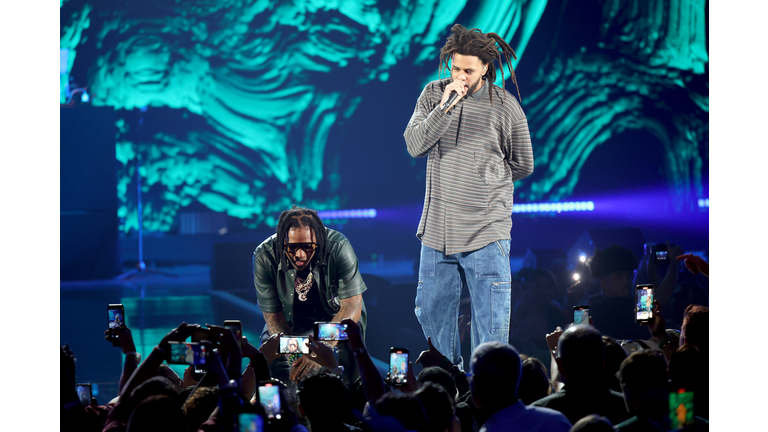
(351, 308)
(276, 323)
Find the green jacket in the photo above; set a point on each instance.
(275, 284)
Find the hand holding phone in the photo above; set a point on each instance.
(115, 321)
(330, 331)
(580, 314)
(84, 393)
(398, 366)
(190, 353)
(293, 345)
(270, 399)
(644, 303)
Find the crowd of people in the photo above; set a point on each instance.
(596, 380)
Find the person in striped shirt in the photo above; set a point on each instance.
(477, 145)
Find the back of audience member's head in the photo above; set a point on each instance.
(439, 376)
(534, 383)
(593, 423)
(322, 398)
(155, 386)
(166, 371)
(689, 370)
(540, 285)
(580, 355)
(613, 266)
(407, 409)
(644, 383)
(496, 370)
(199, 406)
(614, 355)
(157, 413)
(695, 330)
(438, 406)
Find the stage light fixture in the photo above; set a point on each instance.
(576, 276)
(554, 207)
(348, 214)
(703, 202)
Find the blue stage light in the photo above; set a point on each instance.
(703, 202)
(348, 214)
(85, 97)
(554, 207)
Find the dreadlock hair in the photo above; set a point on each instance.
(298, 217)
(473, 42)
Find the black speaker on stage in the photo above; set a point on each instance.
(88, 194)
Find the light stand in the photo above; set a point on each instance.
(141, 266)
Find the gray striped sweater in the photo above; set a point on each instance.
(476, 152)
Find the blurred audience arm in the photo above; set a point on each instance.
(695, 264)
(373, 383)
(128, 347)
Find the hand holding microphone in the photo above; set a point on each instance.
(453, 93)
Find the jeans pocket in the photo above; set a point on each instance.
(427, 260)
(492, 261)
(501, 297)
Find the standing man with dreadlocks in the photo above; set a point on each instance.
(303, 274)
(478, 145)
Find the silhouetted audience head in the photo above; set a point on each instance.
(407, 409)
(534, 383)
(614, 355)
(644, 384)
(166, 371)
(155, 386)
(199, 406)
(496, 369)
(438, 406)
(539, 285)
(614, 267)
(580, 355)
(439, 376)
(158, 413)
(322, 399)
(689, 369)
(695, 330)
(593, 423)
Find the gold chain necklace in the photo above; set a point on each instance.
(302, 288)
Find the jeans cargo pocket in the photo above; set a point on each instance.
(501, 297)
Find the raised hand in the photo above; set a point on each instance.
(695, 264)
(321, 354)
(268, 348)
(430, 357)
(303, 367)
(124, 337)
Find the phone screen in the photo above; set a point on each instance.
(294, 344)
(661, 255)
(644, 303)
(680, 408)
(331, 331)
(580, 315)
(190, 353)
(250, 422)
(269, 398)
(116, 316)
(398, 366)
(84, 393)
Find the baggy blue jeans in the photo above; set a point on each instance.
(487, 275)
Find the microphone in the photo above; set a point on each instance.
(451, 98)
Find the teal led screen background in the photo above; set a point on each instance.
(248, 107)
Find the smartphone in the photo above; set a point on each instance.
(398, 366)
(680, 408)
(293, 344)
(84, 393)
(237, 329)
(269, 398)
(580, 314)
(330, 331)
(115, 320)
(644, 303)
(250, 422)
(189, 353)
